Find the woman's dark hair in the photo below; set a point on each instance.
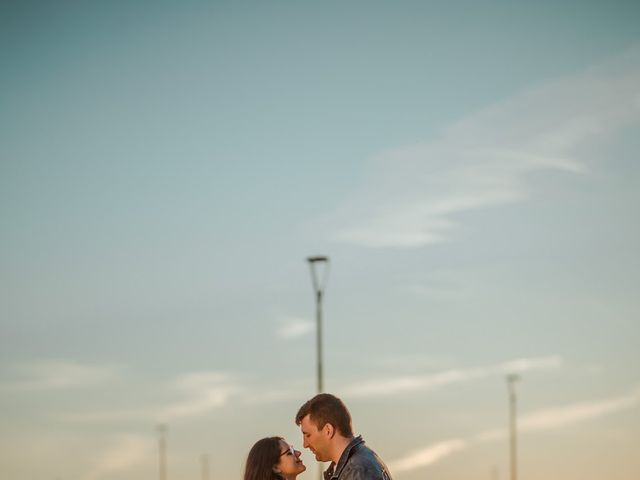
(263, 456)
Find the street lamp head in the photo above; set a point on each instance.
(321, 263)
(513, 377)
(317, 258)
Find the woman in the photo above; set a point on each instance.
(273, 459)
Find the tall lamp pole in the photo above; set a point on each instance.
(511, 380)
(205, 466)
(319, 285)
(162, 450)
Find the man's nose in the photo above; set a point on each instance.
(305, 444)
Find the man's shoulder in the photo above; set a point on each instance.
(364, 464)
(361, 450)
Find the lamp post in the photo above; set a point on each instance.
(319, 285)
(205, 466)
(162, 450)
(511, 380)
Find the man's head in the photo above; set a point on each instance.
(326, 424)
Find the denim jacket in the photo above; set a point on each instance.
(358, 462)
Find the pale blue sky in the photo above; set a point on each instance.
(470, 169)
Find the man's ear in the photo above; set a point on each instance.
(329, 430)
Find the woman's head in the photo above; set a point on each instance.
(272, 458)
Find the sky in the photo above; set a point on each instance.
(470, 169)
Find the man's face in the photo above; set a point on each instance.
(316, 440)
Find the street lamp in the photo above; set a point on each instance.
(511, 380)
(205, 466)
(319, 285)
(162, 450)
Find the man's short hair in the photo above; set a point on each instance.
(326, 408)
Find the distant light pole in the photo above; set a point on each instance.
(205, 466)
(162, 448)
(511, 380)
(495, 473)
(318, 288)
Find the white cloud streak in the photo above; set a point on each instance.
(126, 452)
(552, 418)
(205, 391)
(485, 160)
(428, 455)
(557, 417)
(59, 374)
(292, 328)
(200, 392)
(407, 384)
(416, 360)
(547, 419)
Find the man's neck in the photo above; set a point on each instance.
(340, 444)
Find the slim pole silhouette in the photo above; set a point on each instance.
(318, 289)
(319, 338)
(162, 449)
(495, 473)
(511, 380)
(205, 467)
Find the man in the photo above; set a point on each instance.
(326, 431)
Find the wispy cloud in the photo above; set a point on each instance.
(486, 159)
(547, 419)
(291, 328)
(428, 455)
(194, 394)
(405, 384)
(204, 392)
(416, 360)
(126, 452)
(262, 397)
(557, 417)
(199, 393)
(58, 374)
(551, 418)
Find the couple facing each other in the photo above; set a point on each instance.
(326, 429)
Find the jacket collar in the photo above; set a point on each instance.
(334, 470)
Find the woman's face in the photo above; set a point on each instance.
(289, 464)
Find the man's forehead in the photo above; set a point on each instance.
(307, 424)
